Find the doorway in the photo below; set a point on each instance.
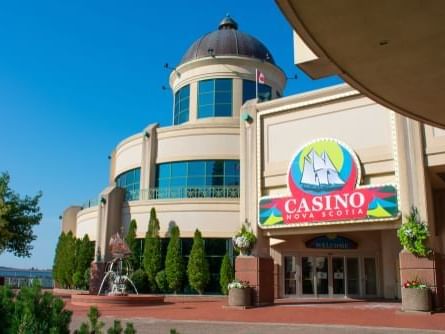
(319, 276)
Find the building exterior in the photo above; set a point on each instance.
(322, 178)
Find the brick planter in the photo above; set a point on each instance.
(240, 297)
(416, 299)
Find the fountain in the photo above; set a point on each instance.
(118, 269)
(113, 288)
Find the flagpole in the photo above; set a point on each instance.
(256, 84)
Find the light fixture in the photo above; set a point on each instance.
(147, 134)
(103, 200)
(211, 52)
(245, 116)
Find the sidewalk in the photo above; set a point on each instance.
(286, 316)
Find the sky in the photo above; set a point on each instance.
(77, 77)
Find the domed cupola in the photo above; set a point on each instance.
(228, 41)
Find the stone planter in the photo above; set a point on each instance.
(240, 297)
(416, 299)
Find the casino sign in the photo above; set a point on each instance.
(323, 180)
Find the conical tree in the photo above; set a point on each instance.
(226, 274)
(86, 256)
(152, 250)
(133, 245)
(67, 262)
(198, 267)
(174, 269)
(58, 259)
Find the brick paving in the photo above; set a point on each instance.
(208, 315)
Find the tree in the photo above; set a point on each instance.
(152, 250)
(133, 245)
(85, 257)
(57, 273)
(226, 274)
(174, 270)
(18, 216)
(67, 262)
(198, 267)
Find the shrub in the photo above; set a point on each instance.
(133, 245)
(226, 274)
(6, 308)
(413, 234)
(161, 281)
(37, 312)
(174, 269)
(198, 268)
(152, 250)
(139, 278)
(94, 325)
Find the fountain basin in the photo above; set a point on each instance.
(104, 300)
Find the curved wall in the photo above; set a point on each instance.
(213, 217)
(128, 154)
(87, 223)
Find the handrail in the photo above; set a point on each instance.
(184, 192)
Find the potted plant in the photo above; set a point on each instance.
(244, 241)
(416, 296)
(413, 234)
(239, 293)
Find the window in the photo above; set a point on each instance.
(182, 103)
(215, 98)
(249, 91)
(199, 178)
(130, 182)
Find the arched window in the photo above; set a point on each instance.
(130, 181)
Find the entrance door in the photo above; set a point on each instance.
(370, 277)
(290, 275)
(338, 275)
(353, 276)
(315, 275)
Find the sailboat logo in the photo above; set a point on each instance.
(319, 173)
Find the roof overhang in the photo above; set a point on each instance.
(391, 51)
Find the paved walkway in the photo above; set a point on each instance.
(191, 315)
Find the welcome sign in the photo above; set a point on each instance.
(323, 180)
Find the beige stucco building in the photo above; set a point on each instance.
(227, 151)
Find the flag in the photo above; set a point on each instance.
(260, 77)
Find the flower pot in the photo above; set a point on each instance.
(416, 299)
(240, 297)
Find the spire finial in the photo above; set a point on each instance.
(228, 23)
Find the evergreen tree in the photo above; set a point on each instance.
(173, 261)
(226, 274)
(67, 260)
(85, 255)
(133, 245)
(152, 250)
(198, 267)
(58, 259)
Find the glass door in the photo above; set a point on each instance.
(370, 278)
(314, 276)
(338, 275)
(321, 275)
(353, 276)
(290, 277)
(307, 275)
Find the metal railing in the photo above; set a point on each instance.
(184, 192)
(90, 203)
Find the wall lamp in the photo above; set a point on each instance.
(211, 52)
(245, 116)
(147, 134)
(103, 200)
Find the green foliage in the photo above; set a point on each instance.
(161, 281)
(6, 308)
(72, 260)
(244, 240)
(37, 312)
(140, 280)
(152, 250)
(94, 324)
(226, 274)
(173, 331)
(116, 329)
(129, 328)
(198, 267)
(174, 268)
(18, 216)
(133, 245)
(413, 234)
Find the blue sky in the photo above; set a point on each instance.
(76, 77)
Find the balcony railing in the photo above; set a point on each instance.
(183, 192)
(90, 203)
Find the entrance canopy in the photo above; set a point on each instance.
(391, 51)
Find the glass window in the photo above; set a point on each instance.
(214, 178)
(182, 105)
(130, 182)
(215, 98)
(249, 91)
